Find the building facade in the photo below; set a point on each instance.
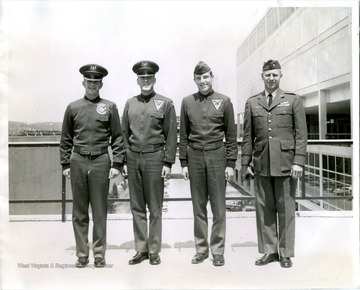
(314, 48)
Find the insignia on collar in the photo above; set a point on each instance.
(101, 109)
(158, 104)
(217, 103)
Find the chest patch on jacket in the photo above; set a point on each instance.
(158, 104)
(101, 109)
(284, 104)
(217, 103)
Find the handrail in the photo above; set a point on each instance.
(64, 201)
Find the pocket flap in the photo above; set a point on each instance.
(158, 115)
(102, 118)
(287, 145)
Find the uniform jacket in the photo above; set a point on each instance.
(275, 137)
(149, 123)
(205, 123)
(89, 127)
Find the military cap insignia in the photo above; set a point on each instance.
(144, 64)
(158, 104)
(93, 67)
(217, 103)
(101, 109)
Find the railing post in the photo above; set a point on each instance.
(63, 198)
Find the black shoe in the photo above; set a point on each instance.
(82, 262)
(138, 258)
(218, 260)
(155, 259)
(285, 262)
(199, 258)
(99, 263)
(267, 258)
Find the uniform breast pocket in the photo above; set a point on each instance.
(217, 117)
(157, 118)
(103, 120)
(258, 118)
(284, 117)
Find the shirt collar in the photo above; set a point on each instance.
(208, 94)
(273, 93)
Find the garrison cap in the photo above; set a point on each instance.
(93, 71)
(201, 68)
(271, 64)
(145, 67)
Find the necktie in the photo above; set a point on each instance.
(270, 99)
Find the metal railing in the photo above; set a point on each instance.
(247, 195)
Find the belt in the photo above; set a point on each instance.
(147, 149)
(92, 152)
(207, 147)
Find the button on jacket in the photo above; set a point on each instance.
(87, 128)
(149, 123)
(276, 135)
(205, 122)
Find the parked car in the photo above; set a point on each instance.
(345, 190)
(234, 205)
(248, 208)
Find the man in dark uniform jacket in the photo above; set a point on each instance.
(149, 129)
(90, 125)
(206, 120)
(275, 139)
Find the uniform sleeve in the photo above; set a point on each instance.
(117, 142)
(248, 137)
(230, 135)
(300, 132)
(170, 132)
(184, 133)
(66, 141)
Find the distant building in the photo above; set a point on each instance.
(314, 47)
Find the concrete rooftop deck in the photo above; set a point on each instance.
(40, 255)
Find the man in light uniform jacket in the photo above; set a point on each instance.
(206, 121)
(275, 139)
(150, 136)
(90, 125)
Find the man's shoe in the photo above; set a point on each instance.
(199, 258)
(99, 263)
(218, 260)
(82, 262)
(285, 262)
(267, 258)
(138, 258)
(155, 259)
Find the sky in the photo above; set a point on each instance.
(44, 43)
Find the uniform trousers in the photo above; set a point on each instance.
(207, 181)
(146, 188)
(90, 186)
(275, 214)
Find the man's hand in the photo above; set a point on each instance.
(246, 171)
(185, 173)
(113, 173)
(165, 172)
(229, 172)
(296, 171)
(66, 173)
(124, 171)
